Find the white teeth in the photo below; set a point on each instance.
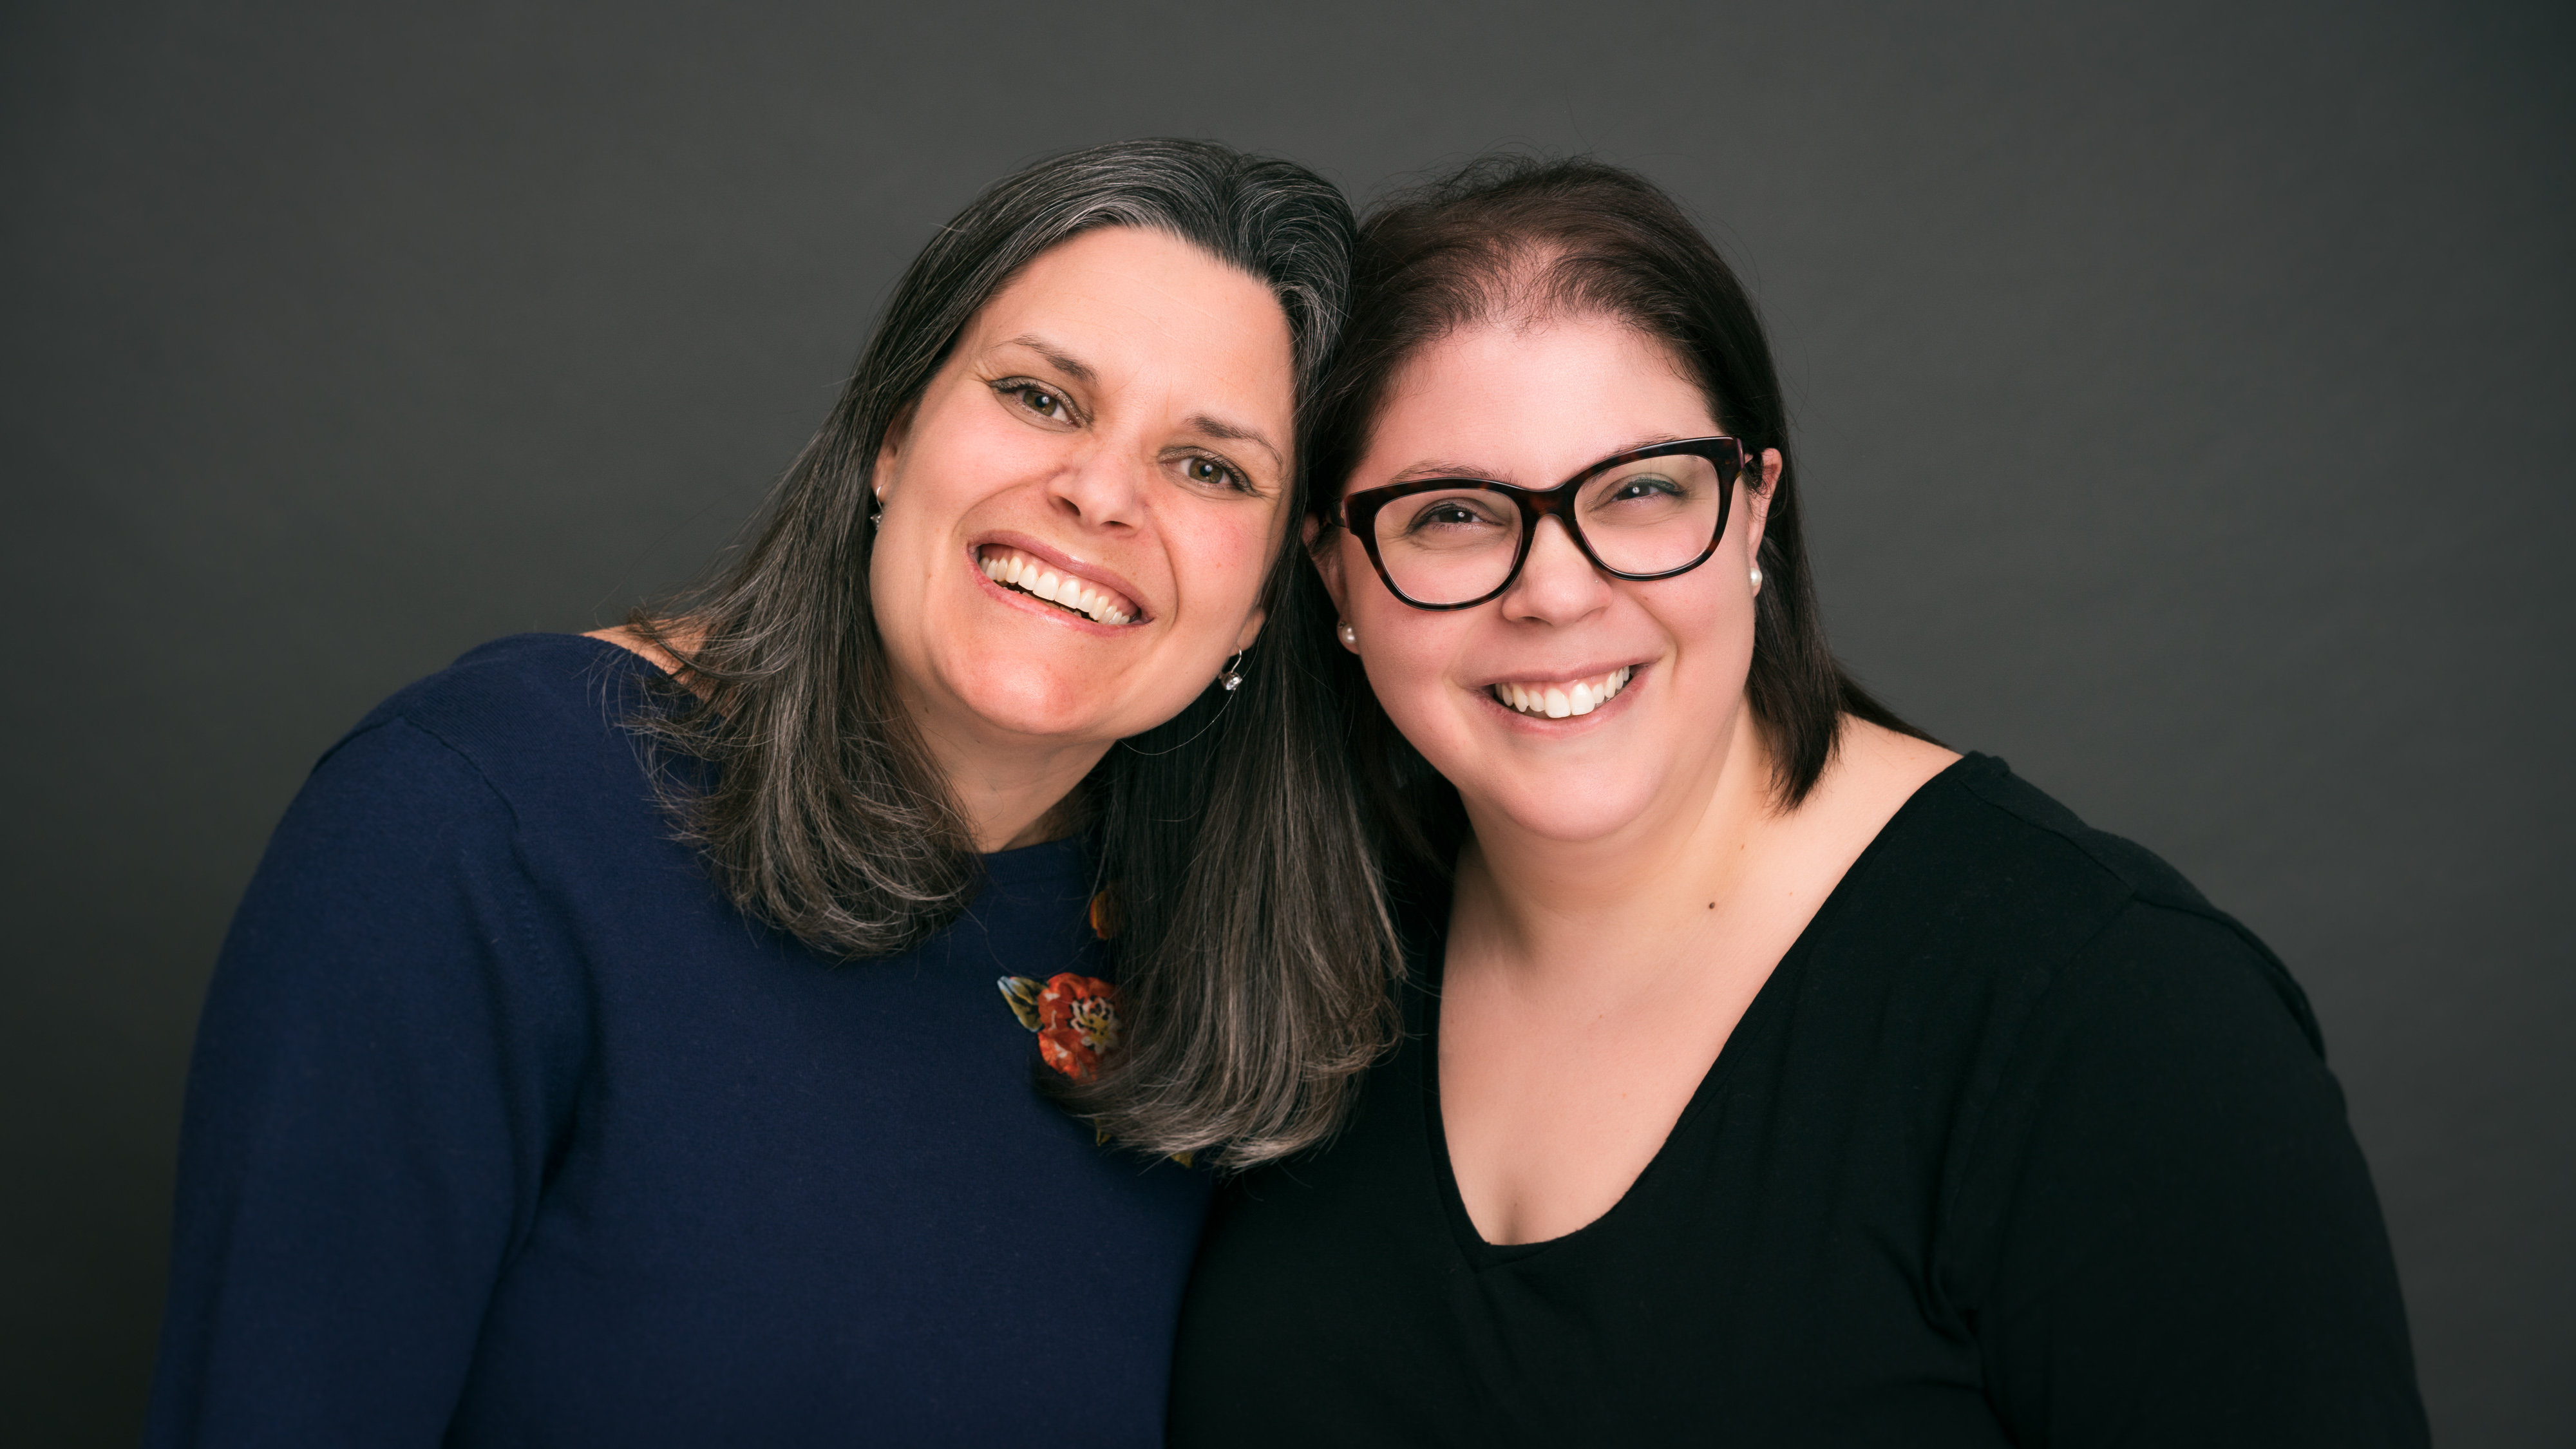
(1019, 571)
(1562, 701)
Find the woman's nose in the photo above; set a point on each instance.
(1557, 583)
(1102, 488)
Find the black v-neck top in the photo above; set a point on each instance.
(2023, 1142)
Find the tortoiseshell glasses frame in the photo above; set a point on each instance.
(1359, 512)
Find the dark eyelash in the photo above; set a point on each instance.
(1021, 387)
(1242, 482)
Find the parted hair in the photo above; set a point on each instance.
(1253, 948)
(1519, 238)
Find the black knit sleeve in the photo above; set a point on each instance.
(2166, 1233)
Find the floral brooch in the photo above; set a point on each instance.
(1075, 1017)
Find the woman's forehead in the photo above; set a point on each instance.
(1143, 269)
(1530, 404)
(1120, 305)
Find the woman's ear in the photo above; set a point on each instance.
(1320, 548)
(1757, 501)
(1251, 630)
(891, 447)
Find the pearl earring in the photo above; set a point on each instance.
(1350, 638)
(877, 516)
(1757, 578)
(1232, 675)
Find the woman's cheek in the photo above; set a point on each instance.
(1222, 559)
(1409, 672)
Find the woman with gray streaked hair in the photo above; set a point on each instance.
(609, 1049)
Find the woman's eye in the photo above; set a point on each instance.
(1211, 473)
(1448, 517)
(1039, 400)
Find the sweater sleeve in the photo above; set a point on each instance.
(383, 1068)
(2172, 1235)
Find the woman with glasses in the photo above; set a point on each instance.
(1771, 1073)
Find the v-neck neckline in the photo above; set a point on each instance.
(1768, 1003)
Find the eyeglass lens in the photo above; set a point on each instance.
(1451, 545)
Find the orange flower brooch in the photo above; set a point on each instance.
(1075, 1017)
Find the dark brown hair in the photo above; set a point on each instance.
(1514, 237)
(1254, 955)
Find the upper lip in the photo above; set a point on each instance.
(1562, 677)
(1063, 563)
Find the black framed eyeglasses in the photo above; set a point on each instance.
(1453, 543)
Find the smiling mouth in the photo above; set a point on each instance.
(1013, 569)
(1558, 701)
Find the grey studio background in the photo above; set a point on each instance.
(2183, 390)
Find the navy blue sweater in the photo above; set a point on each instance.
(505, 1128)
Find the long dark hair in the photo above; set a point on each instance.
(1254, 952)
(1509, 236)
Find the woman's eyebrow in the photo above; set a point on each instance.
(1485, 473)
(1419, 471)
(1057, 358)
(1231, 432)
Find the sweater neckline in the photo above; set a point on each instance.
(1045, 863)
(1776, 993)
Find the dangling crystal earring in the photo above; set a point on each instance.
(1757, 578)
(1350, 638)
(1233, 674)
(877, 516)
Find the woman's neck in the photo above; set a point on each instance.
(1535, 907)
(1014, 793)
(1720, 877)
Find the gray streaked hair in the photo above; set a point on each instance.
(1255, 954)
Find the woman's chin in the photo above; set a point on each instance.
(1569, 812)
(1036, 700)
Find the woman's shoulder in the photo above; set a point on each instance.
(1977, 828)
(519, 711)
(1986, 871)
